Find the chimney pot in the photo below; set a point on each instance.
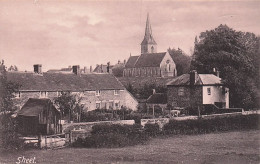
(192, 77)
(76, 69)
(37, 68)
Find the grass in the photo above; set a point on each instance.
(230, 147)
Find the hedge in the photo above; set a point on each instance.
(113, 136)
(200, 126)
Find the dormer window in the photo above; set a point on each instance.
(98, 92)
(116, 92)
(209, 91)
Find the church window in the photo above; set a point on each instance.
(169, 67)
(152, 49)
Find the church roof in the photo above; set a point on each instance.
(46, 81)
(150, 60)
(131, 62)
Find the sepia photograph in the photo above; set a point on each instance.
(130, 81)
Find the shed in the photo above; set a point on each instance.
(39, 116)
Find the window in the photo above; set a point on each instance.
(152, 48)
(209, 91)
(98, 105)
(181, 91)
(117, 105)
(18, 94)
(110, 105)
(43, 94)
(98, 92)
(169, 67)
(116, 92)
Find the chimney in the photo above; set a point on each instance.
(101, 68)
(108, 65)
(37, 68)
(85, 70)
(124, 61)
(118, 62)
(216, 72)
(90, 69)
(75, 69)
(192, 77)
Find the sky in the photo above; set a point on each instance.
(59, 33)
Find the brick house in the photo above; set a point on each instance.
(150, 63)
(197, 89)
(96, 90)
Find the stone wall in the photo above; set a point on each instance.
(192, 96)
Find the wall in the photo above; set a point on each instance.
(216, 95)
(165, 72)
(89, 98)
(142, 72)
(192, 96)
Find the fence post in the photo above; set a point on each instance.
(39, 141)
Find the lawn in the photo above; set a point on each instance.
(230, 147)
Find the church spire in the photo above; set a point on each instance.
(148, 28)
(148, 45)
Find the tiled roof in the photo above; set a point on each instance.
(33, 107)
(63, 82)
(200, 79)
(145, 60)
(131, 62)
(150, 60)
(157, 98)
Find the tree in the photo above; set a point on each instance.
(69, 105)
(9, 137)
(236, 55)
(181, 60)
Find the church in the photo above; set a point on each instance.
(150, 63)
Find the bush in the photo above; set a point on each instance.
(200, 126)
(152, 129)
(104, 135)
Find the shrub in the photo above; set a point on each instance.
(200, 126)
(152, 129)
(105, 135)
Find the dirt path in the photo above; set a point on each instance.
(231, 147)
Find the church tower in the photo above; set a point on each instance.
(148, 45)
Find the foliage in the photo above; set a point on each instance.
(9, 137)
(181, 60)
(201, 126)
(114, 135)
(69, 105)
(236, 55)
(13, 68)
(152, 129)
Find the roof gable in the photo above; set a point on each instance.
(131, 61)
(157, 98)
(33, 107)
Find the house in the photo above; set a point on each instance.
(157, 100)
(39, 116)
(150, 63)
(96, 90)
(197, 89)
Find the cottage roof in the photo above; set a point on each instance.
(157, 98)
(200, 79)
(102, 67)
(46, 81)
(33, 107)
(131, 62)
